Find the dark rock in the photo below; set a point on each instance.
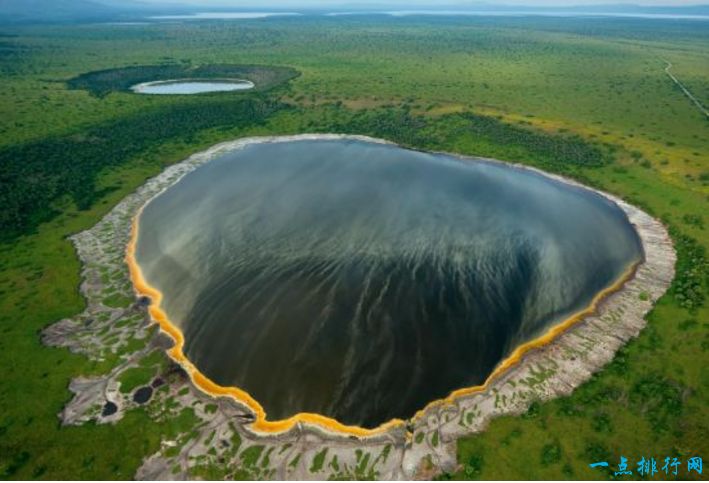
(109, 409)
(162, 341)
(144, 301)
(247, 417)
(143, 394)
(178, 371)
(157, 382)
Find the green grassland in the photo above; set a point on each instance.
(588, 98)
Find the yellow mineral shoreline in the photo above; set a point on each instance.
(261, 424)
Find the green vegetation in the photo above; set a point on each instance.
(135, 377)
(116, 300)
(104, 82)
(584, 97)
(142, 375)
(318, 461)
(560, 151)
(250, 455)
(68, 166)
(474, 466)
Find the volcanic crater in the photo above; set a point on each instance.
(361, 281)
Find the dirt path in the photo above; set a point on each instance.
(685, 90)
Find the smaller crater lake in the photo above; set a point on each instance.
(192, 86)
(362, 281)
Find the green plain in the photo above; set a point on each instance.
(512, 88)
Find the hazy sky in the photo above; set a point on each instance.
(420, 3)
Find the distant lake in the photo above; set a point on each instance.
(405, 13)
(191, 86)
(523, 13)
(223, 15)
(361, 280)
(126, 23)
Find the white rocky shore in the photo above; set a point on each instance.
(116, 326)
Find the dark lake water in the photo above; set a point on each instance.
(362, 281)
